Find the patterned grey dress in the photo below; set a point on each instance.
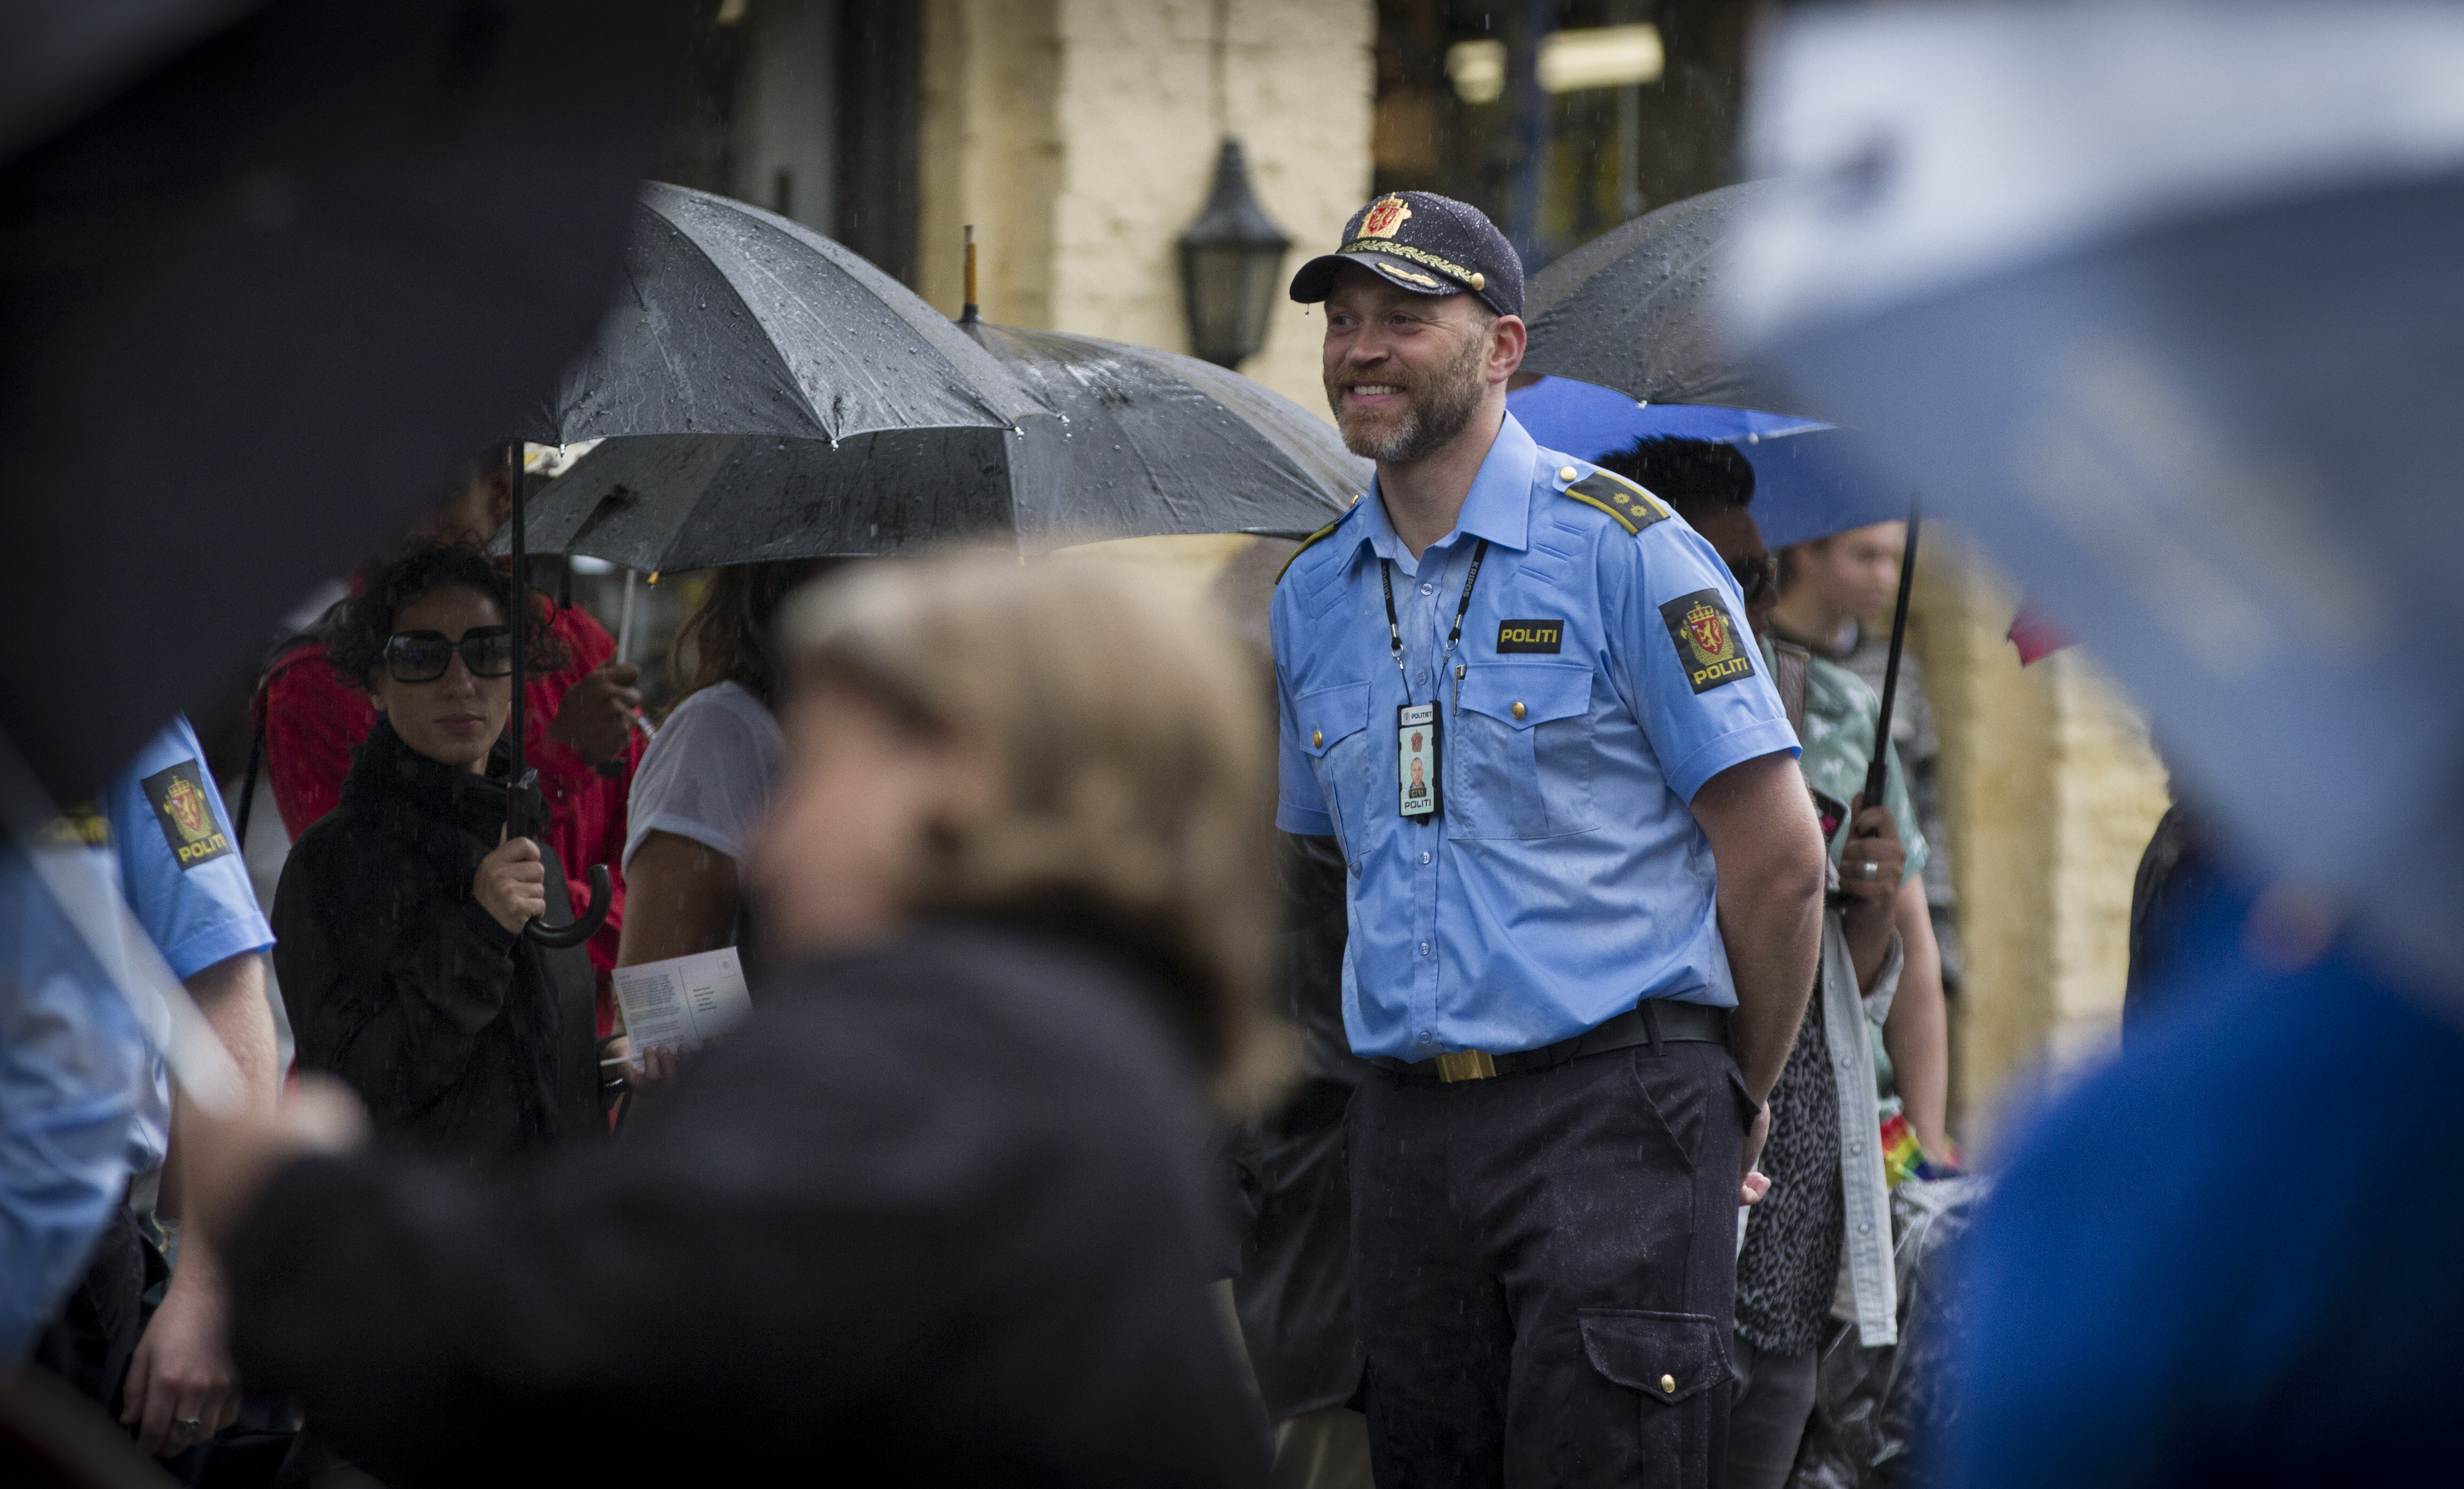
(1790, 1264)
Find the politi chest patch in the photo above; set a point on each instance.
(1543, 635)
(1708, 644)
(187, 815)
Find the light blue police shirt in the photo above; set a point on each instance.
(1564, 878)
(72, 1062)
(182, 872)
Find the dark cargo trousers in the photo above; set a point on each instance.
(1545, 1270)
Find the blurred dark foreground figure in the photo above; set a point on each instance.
(939, 1213)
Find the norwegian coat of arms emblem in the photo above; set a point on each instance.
(1707, 627)
(187, 805)
(1385, 217)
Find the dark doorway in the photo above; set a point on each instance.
(1560, 118)
(808, 108)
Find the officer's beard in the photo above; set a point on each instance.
(1431, 416)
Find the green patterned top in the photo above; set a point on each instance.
(1838, 741)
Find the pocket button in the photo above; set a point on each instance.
(1519, 710)
(1317, 738)
(1668, 1384)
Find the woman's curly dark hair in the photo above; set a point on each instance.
(355, 646)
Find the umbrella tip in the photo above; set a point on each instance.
(968, 315)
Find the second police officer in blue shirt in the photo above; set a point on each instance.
(167, 1374)
(1580, 949)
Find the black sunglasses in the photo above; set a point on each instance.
(1756, 573)
(423, 656)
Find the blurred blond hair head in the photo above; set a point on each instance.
(1127, 738)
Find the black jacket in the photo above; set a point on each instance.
(935, 1217)
(460, 1035)
(1294, 1289)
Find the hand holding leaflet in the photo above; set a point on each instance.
(684, 1002)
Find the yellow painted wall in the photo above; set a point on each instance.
(2051, 791)
(1080, 135)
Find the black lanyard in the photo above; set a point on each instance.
(1394, 627)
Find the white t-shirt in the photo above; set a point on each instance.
(708, 774)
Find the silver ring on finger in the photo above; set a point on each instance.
(1871, 869)
(187, 1426)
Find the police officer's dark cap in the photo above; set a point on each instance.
(1424, 243)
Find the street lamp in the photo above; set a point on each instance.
(1231, 265)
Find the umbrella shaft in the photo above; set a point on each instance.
(1876, 768)
(519, 622)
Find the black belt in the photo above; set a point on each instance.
(1654, 1022)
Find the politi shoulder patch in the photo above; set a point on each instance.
(1708, 646)
(1633, 508)
(187, 815)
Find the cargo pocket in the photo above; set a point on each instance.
(1677, 1363)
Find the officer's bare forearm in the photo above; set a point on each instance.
(232, 996)
(1768, 850)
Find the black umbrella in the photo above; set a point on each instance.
(1649, 309)
(260, 305)
(1646, 308)
(845, 416)
(1153, 442)
(735, 321)
(1160, 443)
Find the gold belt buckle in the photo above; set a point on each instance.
(1469, 1065)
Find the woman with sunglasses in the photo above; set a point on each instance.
(400, 915)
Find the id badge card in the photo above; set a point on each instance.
(1416, 760)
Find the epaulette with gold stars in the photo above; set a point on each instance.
(1305, 544)
(1633, 508)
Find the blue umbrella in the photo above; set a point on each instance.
(2184, 361)
(2164, 300)
(1811, 479)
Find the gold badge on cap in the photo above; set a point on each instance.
(1384, 217)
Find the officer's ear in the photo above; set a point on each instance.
(1508, 338)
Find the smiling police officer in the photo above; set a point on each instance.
(1577, 957)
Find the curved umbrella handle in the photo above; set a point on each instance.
(584, 924)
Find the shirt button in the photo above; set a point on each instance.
(1424, 948)
(1668, 1384)
(1425, 858)
(1565, 472)
(1428, 590)
(1518, 707)
(1856, 1148)
(1317, 738)
(1863, 1229)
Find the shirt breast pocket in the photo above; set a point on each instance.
(1523, 752)
(1333, 728)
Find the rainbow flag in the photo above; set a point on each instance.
(1904, 1157)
